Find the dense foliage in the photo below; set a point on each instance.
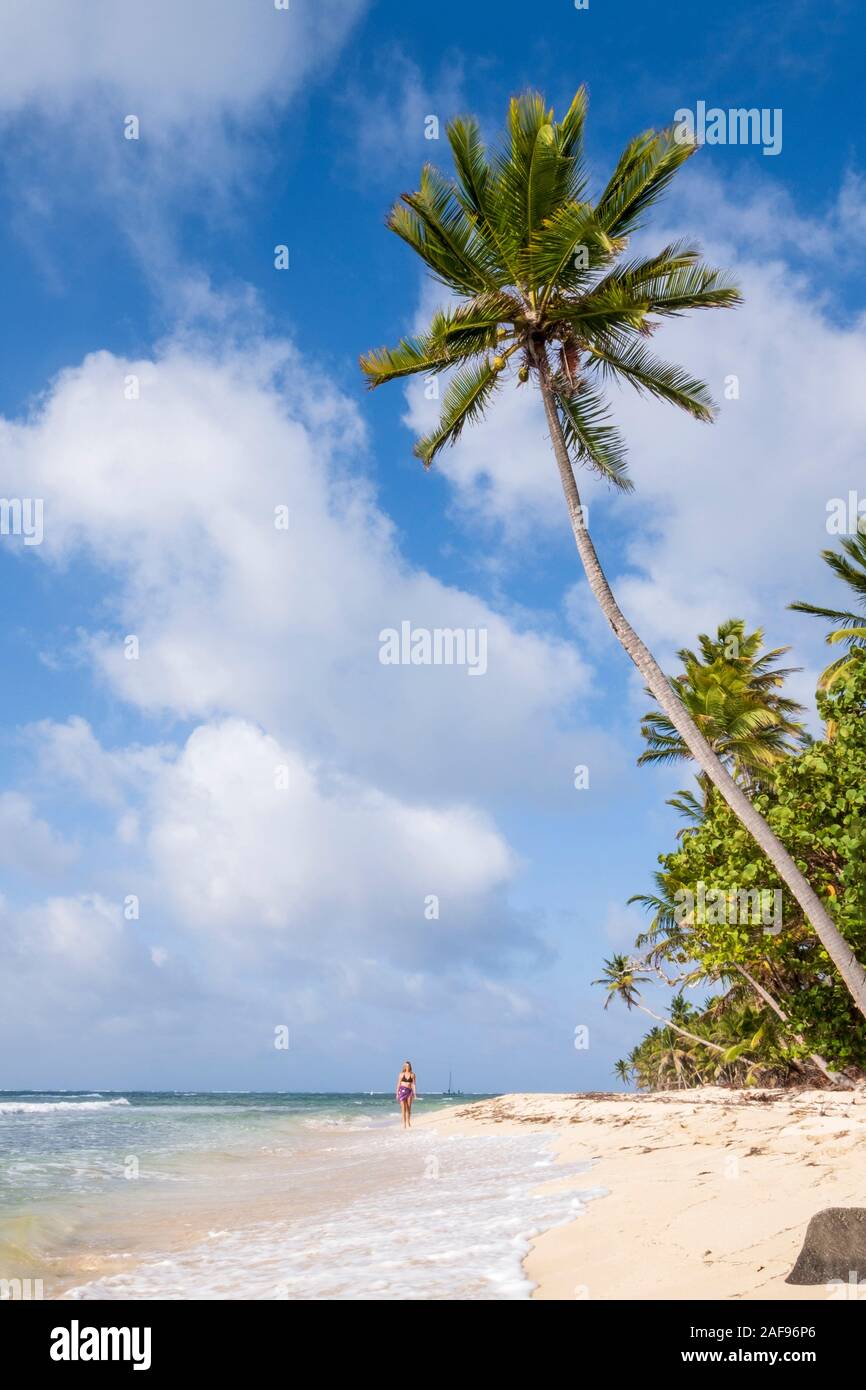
(777, 1012)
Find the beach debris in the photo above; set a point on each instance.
(834, 1247)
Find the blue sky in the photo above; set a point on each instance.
(151, 262)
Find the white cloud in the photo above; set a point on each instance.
(174, 495)
(267, 642)
(207, 82)
(245, 831)
(168, 62)
(59, 957)
(70, 752)
(264, 899)
(27, 842)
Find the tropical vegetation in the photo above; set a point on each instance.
(850, 567)
(777, 1012)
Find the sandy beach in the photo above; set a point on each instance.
(709, 1191)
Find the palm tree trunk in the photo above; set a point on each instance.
(828, 933)
(780, 1013)
(693, 1037)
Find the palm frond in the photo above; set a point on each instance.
(835, 615)
(569, 139)
(633, 363)
(469, 393)
(477, 188)
(434, 224)
(668, 284)
(536, 172)
(568, 249)
(454, 334)
(847, 634)
(503, 234)
(643, 172)
(850, 567)
(589, 435)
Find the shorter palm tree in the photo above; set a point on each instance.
(622, 1070)
(850, 567)
(731, 690)
(664, 1060)
(622, 980)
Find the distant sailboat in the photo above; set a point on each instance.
(449, 1092)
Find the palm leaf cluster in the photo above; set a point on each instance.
(850, 567)
(731, 688)
(537, 280)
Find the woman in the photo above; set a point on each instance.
(405, 1093)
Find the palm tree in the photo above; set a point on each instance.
(730, 689)
(622, 1069)
(622, 980)
(851, 569)
(662, 1058)
(535, 268)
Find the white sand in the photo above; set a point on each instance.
(710, 1191)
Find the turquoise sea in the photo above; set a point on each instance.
(264, 1195)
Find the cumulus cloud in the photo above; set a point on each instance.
(267, 892)
(247, 837)
(293, 836)
(181, 495)
(70, 753)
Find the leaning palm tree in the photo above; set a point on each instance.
(622, 980)
(731, 690)
(851, 569)
(536, 272)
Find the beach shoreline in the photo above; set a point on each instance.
(709, 1191)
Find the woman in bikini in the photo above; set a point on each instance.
(405, 1093)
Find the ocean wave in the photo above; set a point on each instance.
(45, 1107)
(338, 1122)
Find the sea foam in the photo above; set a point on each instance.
(46, 1107)
(414, 1215)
